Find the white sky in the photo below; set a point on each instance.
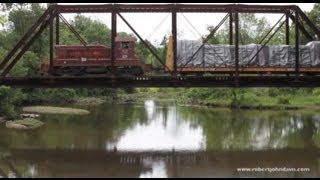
(149, 25)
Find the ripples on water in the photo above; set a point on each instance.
(163, 140)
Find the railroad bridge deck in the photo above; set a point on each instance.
(161, 81)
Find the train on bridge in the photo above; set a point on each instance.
(192, 58)
(96, 59)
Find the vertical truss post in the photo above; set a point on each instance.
(297, 43)
(113, 38)
(51, 45)
(287, 29)
(236, 20)
(57, 30)
(231, 28)
(174, 38)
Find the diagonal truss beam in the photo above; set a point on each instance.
(308, 21)
(73, 30)
(267, 39)
(29, 43)
(301, 27)
(206, 40)
(27, 35)
(145, 43)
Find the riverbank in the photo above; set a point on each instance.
(262, 101)
(234, 98)
(2, 120)
(259, 107)
(254, 98)
(252, 101)
(141, 97)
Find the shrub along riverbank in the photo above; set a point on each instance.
(241, 98)
(12, 99)
(254, 98)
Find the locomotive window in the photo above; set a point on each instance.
(125, 45)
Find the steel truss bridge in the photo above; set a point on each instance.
(52, 17)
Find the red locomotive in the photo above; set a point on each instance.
(96, 59)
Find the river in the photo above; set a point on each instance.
(161, 139)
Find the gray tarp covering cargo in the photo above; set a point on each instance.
(315, 52)
(285, 56)
(224, 55)
(251, 55)
(218, 55)
(185, 50)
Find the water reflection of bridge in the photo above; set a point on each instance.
(100, 163)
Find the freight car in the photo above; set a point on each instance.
(220, 59)
(96, 59)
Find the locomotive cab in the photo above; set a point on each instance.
(126, 61)
(125, 48)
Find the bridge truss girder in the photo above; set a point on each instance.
(53, 13)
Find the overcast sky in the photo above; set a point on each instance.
(154, 26)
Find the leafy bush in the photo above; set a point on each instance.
(316, 91)
(9, 98)
(27, 66)
(52, 95)
(245, 99)
(283, 100)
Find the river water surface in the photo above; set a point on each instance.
(165, 140)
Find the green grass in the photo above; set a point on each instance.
(139, 98)
(90, 101)
(272, 99)
(54, 110)
(263, 102)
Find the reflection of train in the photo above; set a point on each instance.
(96, 59)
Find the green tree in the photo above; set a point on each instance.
(9, 98)
(314, 14)
(147, 57)
(21, 16)
(2, 20)
(92, 31)
(251, 30)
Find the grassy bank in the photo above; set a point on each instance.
(244, 98)
(263, 98)
(54, 110)
(240, 98)
(260, 103)
(140, 97)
